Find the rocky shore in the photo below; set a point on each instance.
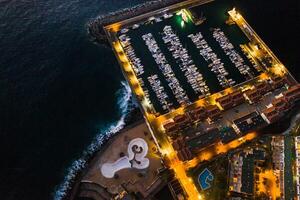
(132, 119)
(95, 27)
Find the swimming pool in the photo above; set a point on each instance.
(204, 179)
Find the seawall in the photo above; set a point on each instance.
(95, 27)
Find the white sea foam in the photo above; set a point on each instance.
(125, 106)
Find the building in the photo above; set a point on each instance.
(292, 94)
(227, 134)
(270, 114)
(278, 82)
(178, 143)
(238, 98)
(253, 95)
(281, 104)
(225, 102)
(178, 123)
(171, 127)
(278, 161)
(176, 189)
(248, 122)
(213, 112)
(229, 101)
(263, 87)
(297, 149)
(204, 140)
(198, 114)
(242, 166)
(183, 152)
(182, 121)
(235, 181)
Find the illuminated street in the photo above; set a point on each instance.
(267, 184)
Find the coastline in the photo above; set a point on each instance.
(128, 122)
(133, 118)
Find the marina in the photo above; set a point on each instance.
(215, 64)
(229, 50)
(159, 91)
(189, 61)
(165, 69)
(186, 64)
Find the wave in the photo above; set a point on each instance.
(125, 107)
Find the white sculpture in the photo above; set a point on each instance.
(137, 151)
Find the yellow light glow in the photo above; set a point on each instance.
(118, 47)
(271, 188)
(219, 148)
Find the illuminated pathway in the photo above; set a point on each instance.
(186, 182)
(215, 150)
(270, 187)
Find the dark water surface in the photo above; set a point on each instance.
(58, 90)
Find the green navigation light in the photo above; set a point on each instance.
(182, 24)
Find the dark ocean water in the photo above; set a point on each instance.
(59, 92)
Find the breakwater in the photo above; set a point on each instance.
(95, 27)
